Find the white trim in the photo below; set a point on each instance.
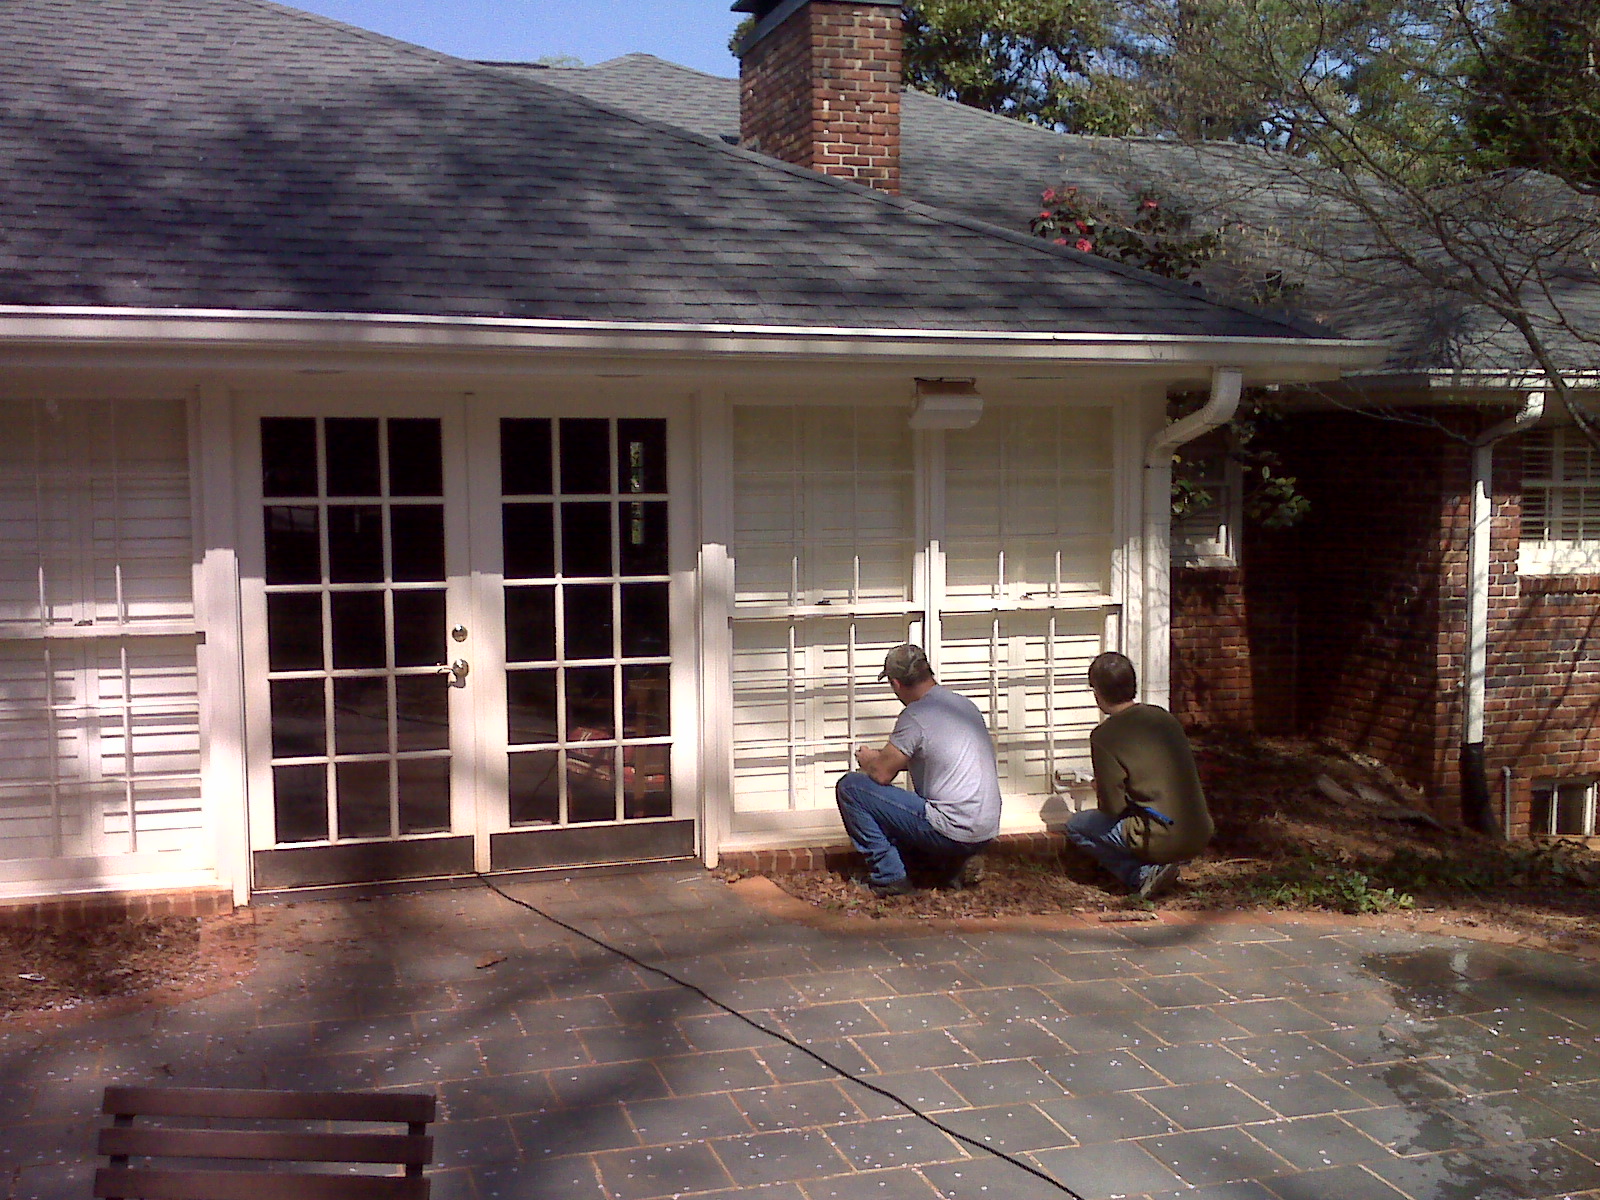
(214, 329)
(714, 465)
(224, 781)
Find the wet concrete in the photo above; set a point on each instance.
(1270, 1061)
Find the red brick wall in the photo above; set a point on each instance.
(1210, 679)
(1542, 713)
(1352, 624)
(822, 90)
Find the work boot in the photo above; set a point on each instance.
(895, 887)
(968, 874)
(1158, 881)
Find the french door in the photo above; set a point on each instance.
(468, 651)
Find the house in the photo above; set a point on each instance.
(1397, 618)
(413, 469)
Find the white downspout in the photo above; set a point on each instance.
(1475, 680)
(1226, 382)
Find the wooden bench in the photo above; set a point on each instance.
(172, 1139)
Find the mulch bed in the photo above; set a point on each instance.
(1300, 826)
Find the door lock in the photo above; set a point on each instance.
(456, 670)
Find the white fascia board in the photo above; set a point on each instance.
(352, 340)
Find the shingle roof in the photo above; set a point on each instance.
(237, 154)
(970, 161)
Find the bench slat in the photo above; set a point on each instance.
(254, 1185)
(398, 1148)
(407, 1107)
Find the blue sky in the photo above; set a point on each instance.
(692, 32)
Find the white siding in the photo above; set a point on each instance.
(98, 685)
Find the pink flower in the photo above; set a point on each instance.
(1083, 226)
(1149, 204)
(1044, 215)
(1085, 245)
(1049, 196)
(1061, 241)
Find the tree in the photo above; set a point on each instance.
(1535, 90)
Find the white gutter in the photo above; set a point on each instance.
(354, 333)
(1226, 383)
(1475, 804)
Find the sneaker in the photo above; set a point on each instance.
(1158, 881)
(895, 887)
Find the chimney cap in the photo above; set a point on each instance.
(760, 8)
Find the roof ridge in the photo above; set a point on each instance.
(370, 35)
(616, 58)
(1192, 291)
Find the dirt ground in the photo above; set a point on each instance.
(1299, 826)
(132, 961)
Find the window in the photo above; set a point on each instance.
(1206, 534)
(1560, 503)
(1563, 806)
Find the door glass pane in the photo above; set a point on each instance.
(352, 456)
(422, 712)
(589, 703)
(416, 465)
(645, 708)
(294, 631)
(592, 783)
(641, 456)
(643, 526)
(585, 455)
(355, 543)
(529, 531)
(361, 715)
(646, 781)
(300, 803)
(299, 722)
(530, 624)
(525, 456)
(419, 636)
(424, 795)
(588, 619)
(416, 542)
(531, 707)
(585, 539)
(363, 803)
(293, 543)
(645, 620)
(358, 633)
(289, 456)
(534, 787)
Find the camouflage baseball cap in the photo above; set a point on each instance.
(905, 662)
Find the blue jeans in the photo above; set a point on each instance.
(1101, 838)
(886, 822)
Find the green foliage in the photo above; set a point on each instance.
(1534, 92)
(1155, 237)
(1308, 883)
(1023, 58)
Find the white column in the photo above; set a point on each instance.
(715, 567)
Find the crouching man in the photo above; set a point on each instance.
(953, 811)
(1152, 814)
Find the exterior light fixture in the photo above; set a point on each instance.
(946, 404)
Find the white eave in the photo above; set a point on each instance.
(353, 340)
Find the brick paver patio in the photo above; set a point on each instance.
(1209, 1061)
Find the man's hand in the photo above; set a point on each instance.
(881, 766)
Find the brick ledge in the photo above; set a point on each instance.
(1041, 845)
(77, 909)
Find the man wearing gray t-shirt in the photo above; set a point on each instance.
(954, 811)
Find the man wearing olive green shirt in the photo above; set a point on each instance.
(1151, 816)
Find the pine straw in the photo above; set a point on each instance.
(1283, 844)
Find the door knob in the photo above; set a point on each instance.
(456, 670)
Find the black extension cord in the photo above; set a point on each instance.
(785, 1039)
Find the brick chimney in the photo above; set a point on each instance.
(819, 86)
